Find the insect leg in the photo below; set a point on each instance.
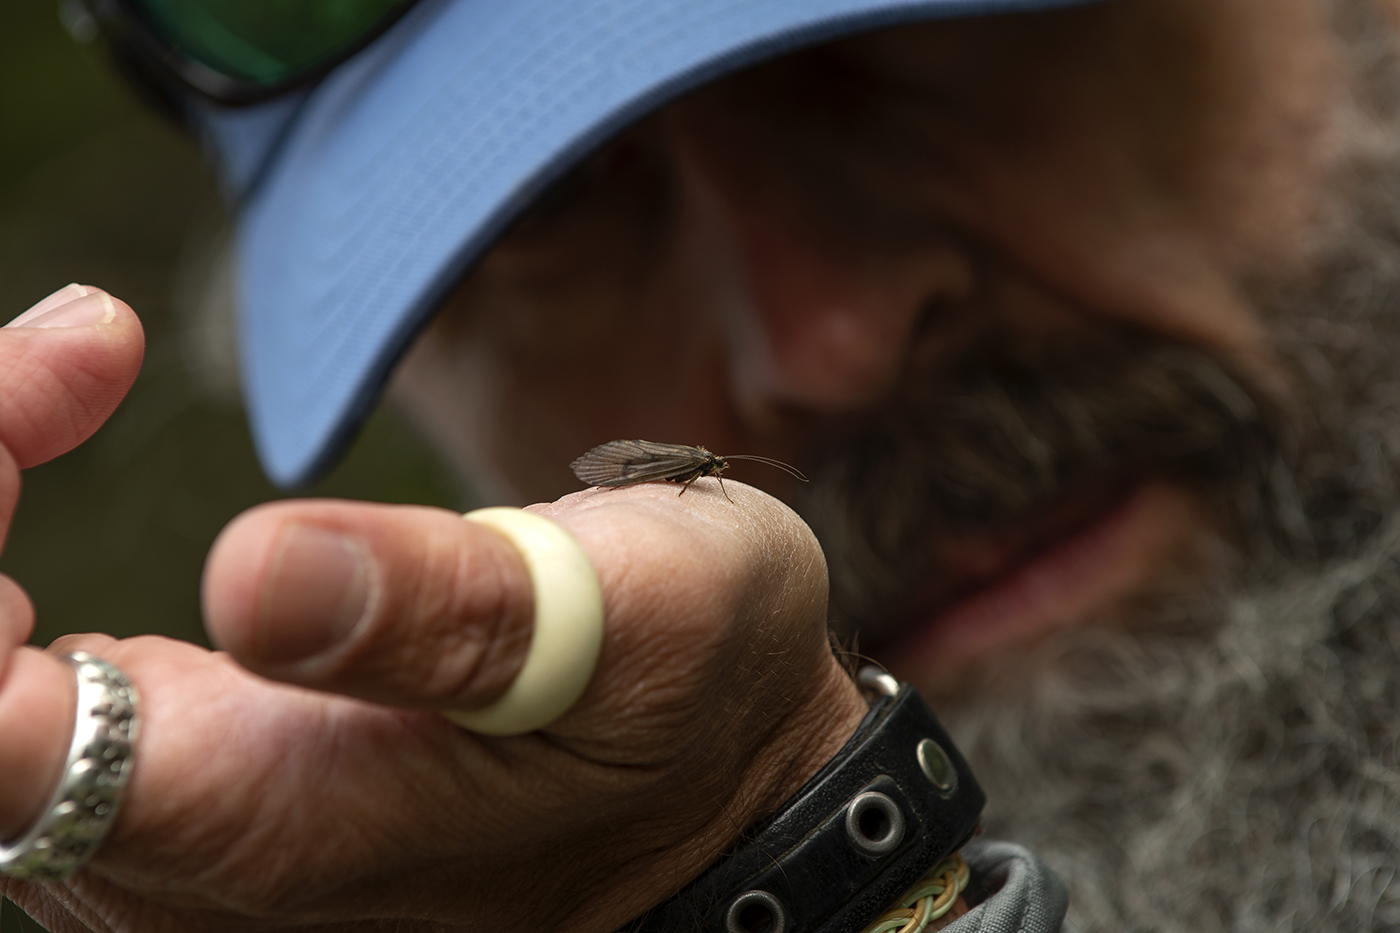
(711, 471)
(687, 478)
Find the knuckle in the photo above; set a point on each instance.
(444, 630)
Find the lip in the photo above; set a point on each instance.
(1077, 577)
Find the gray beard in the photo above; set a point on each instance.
(1244, 779)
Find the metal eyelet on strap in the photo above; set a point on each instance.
(855, 837)
(933, 761)
(874, 824)
(756, 912)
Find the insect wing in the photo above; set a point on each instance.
(622, 463)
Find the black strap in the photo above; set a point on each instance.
(895, 800)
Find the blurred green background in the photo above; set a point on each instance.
(95, 189)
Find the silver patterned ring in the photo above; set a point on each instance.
(84, 804)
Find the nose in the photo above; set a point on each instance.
(816, 320)
(831, 321)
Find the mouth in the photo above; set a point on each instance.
(1073, 564)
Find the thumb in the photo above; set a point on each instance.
(402, 605)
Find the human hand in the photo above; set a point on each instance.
(328, 792)
(64, 365)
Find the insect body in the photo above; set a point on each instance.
(626, 463)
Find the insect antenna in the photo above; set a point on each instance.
(785, 467)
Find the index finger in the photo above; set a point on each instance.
(65, 364)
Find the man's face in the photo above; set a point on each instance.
(1081, 323)
(822, 260)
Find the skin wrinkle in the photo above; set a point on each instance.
(288, 808)
(507, 636)
(78, 903)
(78, 393)
(60, 414)
(261, 899)
(272, 812)
(794, 771)
(627, 804)
(429, 604)
(480, 648)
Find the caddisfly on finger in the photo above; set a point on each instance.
(626, 463)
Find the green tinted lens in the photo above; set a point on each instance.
(267, 42)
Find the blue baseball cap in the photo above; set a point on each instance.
(363, 199)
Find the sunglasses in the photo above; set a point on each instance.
(237, 52)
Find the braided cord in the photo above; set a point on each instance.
(930, 899)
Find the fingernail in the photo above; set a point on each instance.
(93, 308)
(316, 591)
(70, 292)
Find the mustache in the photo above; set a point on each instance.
(1007, 429)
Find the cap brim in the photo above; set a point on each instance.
(399, 170)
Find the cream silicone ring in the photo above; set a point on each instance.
(568, 629)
